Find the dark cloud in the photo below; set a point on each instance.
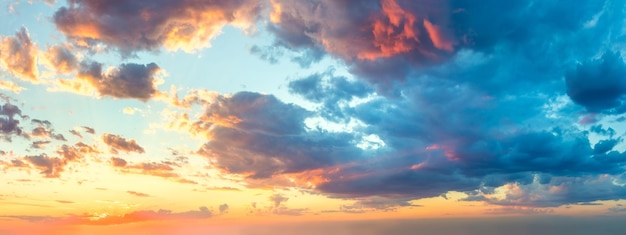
(259, 136)
(369, 35)
(44, 130)
(129, 26)
(18, 55)
(122, 144)
(51, 167)
(134, 81)
(599, 85)
(8, 124)
(604, 146)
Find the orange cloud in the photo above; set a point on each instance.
(18, 55)
(120, 143)
(186, 25)
(394, 33)
(11, 86)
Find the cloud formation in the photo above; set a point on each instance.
(134, 81)
(259, 136)
(18, 55)
(120, 143)
(129, 26)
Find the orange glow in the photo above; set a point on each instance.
(437, 37)
(226, 121)
(387, 39)
(310, 178)
(277, 10)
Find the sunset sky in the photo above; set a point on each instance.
(293, 116)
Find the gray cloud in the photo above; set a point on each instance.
(133, 81)
(122, 144)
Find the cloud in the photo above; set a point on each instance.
(18, 55)
(599, 85)
(129, 27)
(89, 130)
(164, 169)
(138, 194)
(122, 144)
(11, 86)
(8, 124)
(259, 136)
(61, 58)
(51, 167)
(39, 144)
(128, 81)
(223, 208)
(277, 199)
(148, 215)
(118, 162)
(376, 203)
(44, 130)
(365, 30)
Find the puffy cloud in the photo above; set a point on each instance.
(44, 130)
(11, 86)
(599, 84)
(18, 55)
(8, 123)
(259, 136)
(364, 30)
(51, 167)
(120, 143)
(61, 59)
(133, 81)
(130, 26)
(77, 151)
(118, 162)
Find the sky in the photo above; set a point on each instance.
(321, 116)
